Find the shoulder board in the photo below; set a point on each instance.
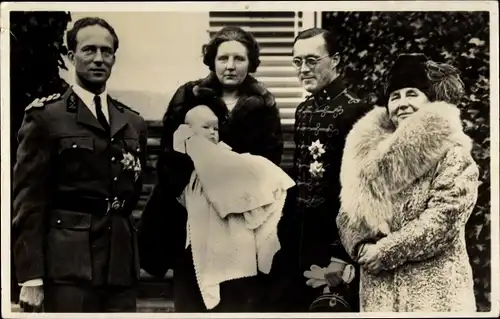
(124, 106)
(39, 103)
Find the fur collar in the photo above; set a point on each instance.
(380, 160)
(249, 87)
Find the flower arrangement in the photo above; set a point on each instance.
(316, 168)
(131, 163)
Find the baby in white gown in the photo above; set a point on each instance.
(234, 203)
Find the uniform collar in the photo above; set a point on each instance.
(88, 97)
(331, 91)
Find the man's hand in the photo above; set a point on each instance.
(31, 298)
(369, 258)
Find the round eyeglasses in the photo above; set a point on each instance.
(310, 62)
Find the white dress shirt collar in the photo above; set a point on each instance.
(88, 99)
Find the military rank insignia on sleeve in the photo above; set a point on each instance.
(40, 102)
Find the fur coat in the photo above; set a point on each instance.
(411, 191)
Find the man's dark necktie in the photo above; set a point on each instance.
(100, 115)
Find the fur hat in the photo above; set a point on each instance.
(439, 81)
(409, 70)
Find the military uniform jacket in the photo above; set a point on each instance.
(308, 231)
(69, 176)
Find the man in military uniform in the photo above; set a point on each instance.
(75, 184)
(312, 256)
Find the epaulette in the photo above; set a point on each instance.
(41, 102)
(124, 106)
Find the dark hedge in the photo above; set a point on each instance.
(371, 41)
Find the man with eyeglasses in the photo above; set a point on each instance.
(312, 259)
(76, 181)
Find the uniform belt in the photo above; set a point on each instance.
(91, 205)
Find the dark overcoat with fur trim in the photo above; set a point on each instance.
(253, 126)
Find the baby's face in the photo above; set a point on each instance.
(204, 123)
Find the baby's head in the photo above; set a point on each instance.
(204, 122)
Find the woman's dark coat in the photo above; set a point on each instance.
(252, 126)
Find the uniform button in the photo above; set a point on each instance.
(109, 227)
(112, 159)
(58, 221)
(116, 198)
(107, 199)
(112, 139)
(73, 146)
(115, 179)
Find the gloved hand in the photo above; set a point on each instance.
(334, 272)
(338, 271)
(316, 276)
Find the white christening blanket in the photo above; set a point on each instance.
(234, 203)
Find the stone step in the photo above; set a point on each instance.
(155, 305)
(151, 305)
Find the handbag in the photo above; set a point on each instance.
(330, 302)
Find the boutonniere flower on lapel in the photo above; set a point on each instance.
(131, 163)
(316, 149)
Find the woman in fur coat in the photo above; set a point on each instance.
(409, 185)
(249, 122)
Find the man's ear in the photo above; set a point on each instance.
(335, 60)
(71, 57)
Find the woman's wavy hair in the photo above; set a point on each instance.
(232, 33)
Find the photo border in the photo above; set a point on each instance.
(382, 6)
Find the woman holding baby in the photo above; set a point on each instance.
(409, 185)
(230, 106)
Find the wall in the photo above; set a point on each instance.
(158, 52)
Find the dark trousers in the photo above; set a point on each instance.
(86, 298)
(239, 295)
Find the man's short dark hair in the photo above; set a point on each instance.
(86, 22)
(331, 40)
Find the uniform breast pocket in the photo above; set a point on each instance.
(75, 156)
